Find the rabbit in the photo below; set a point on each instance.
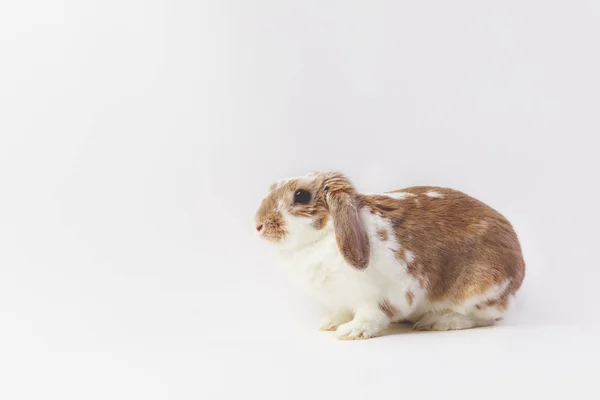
(430, 256)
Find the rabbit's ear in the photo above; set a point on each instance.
(352, 240)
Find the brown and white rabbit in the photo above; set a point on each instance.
(429, 255)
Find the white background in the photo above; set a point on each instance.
(137, 139)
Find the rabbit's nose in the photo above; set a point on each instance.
(259, 227)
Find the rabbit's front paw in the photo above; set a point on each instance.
(336, 319)
(367, 323)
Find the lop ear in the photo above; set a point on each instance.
(352, 240)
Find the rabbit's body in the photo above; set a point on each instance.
(433, 256)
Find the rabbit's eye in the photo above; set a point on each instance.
(301, 197)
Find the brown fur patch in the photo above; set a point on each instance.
(320, 222)
(388, 309)
(500, 302)
(274, 226)
(350, 235)
(382, 235)
(409, 297)
(417, 272)
(463, 246)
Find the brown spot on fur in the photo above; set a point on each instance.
(409, 297)
(417, 272)
(382, 235)
(464, 247)
(499, 302)
(388, 309)
(321, 221)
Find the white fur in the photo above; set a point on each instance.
(399, 195)
(313, 258)
(433, 193)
